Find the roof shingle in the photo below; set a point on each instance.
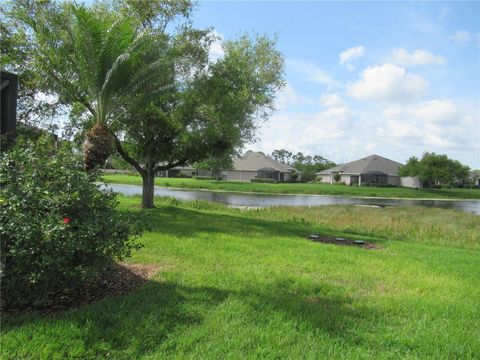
(372, 163)
(255, 161)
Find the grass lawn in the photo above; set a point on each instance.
(321, 189)
(247, 284)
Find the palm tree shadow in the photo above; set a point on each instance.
(182, 222)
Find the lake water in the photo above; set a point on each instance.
(264, 200)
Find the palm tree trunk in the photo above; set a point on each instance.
(97, 147)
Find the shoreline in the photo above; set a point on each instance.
(298, 194)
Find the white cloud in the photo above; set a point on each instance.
(417, 57)
(435, 141)
(289, 97)
(387, 82)
(432, 125)
(434, 111)
(462, 37)
(331, 100)
(307, 132)
(349, 55)
(396, 131)
(216, 49)
(312, 72)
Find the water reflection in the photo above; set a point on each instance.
(264, 200)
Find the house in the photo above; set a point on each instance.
(371, 170)
(178, 171)
(474, 178)
(253, 165)
(257, 165)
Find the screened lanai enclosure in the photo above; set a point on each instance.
(374, 178)
(270, 173)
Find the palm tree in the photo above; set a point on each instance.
(94, 59)
(109, 56)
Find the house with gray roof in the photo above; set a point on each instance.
(252, 165)
(371, 170)
(257, 165)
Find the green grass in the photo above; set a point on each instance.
(321, 189)
(247, 284)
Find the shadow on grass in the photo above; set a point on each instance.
(183, 222)
(128, 325)
(321, 308)
(155, 316)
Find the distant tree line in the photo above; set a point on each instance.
(309, 165)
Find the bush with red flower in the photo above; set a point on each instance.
(58, 229)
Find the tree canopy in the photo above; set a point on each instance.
(309, 165)
(152, 91)
(433, 169)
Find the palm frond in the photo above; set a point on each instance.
(89, 34)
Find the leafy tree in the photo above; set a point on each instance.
(151, 93)
(309, 165)
(35, 103)
(299, 159)
(207, 111)
(282, 155)
(434, 169)
(216, 164)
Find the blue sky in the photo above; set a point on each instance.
(392, 78)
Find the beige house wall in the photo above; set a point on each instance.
(238, 175)
(412, 182)
(187, 172)
(409, 181)
(393, 180)
(345, 178)
(325, 178)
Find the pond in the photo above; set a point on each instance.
(264, 200)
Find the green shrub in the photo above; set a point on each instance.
(201, 177)
(379, 185)
(308, 175)
(58, 229)
(270, 181)
(293, 177)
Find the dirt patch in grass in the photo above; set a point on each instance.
(122, 278)
(342, 241)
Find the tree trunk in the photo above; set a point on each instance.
(97, 146)
(148, 177)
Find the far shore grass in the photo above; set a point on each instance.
(299, 188)
(248, 284)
